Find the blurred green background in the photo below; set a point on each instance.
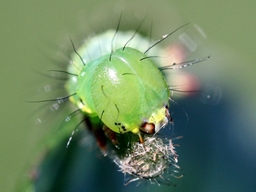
(217, 152)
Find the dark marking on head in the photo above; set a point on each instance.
(81, 101)
(123, 127)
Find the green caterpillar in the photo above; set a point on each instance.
(118, 84)
(123, 88)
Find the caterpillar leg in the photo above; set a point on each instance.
(110, 134)
(95, 127)
(141, 138)
(101, 133)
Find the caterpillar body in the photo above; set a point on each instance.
(122, 88)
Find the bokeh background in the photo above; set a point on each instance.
(217, 152)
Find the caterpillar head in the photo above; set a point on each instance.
(127, 92)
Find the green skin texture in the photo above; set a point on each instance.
(123, 91)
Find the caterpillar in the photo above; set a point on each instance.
(124, 98)
(121, 87)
